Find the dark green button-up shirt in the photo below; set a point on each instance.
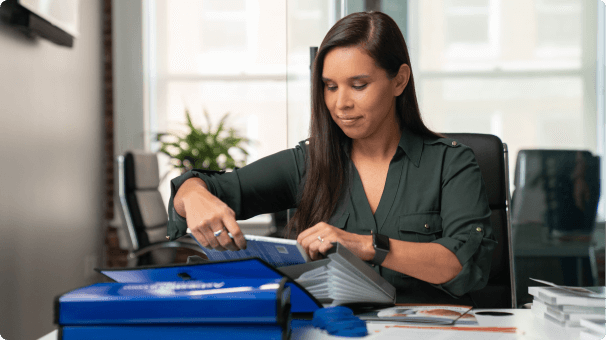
(434, 192)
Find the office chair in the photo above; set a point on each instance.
(492, 157)
(554, 208)
(144, 213)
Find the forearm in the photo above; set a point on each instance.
(430, 262)
(186, 188)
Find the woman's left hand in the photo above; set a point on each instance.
(318, 239)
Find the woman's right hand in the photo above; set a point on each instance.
(207, 215)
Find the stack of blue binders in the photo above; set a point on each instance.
(235, 299)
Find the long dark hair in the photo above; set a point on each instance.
(328, 161)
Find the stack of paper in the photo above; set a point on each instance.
(593, 329)
(567, 306)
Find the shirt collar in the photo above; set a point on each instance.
(412, 145)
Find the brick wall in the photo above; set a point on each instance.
(108, 111)
(114, 255)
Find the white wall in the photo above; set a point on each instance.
(129, 115)
(601, 104)
(51, 171)
(130, 120)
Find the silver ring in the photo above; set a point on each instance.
(218, 232)
(320, 238)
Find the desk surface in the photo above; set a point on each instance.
(529, 327)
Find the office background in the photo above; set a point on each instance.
(53, 164)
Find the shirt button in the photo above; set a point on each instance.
(426, 226)
(454, 143)
(478, 229)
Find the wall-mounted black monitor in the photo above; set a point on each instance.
(55, 20)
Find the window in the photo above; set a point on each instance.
(219, 56)
(246, 57)
(308, 21)
(521, 70)
(470, 33)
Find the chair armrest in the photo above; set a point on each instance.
(134, 255)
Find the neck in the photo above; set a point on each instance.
(381, 145)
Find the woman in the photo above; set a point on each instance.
(371, 176)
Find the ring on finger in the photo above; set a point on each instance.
(218, 232)
(320, 239)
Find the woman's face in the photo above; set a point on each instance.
(358, 94)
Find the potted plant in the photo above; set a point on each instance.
(202, 149)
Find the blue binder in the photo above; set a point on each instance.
(301, 300)
(181, 332)
(240, 299)
(245, 301)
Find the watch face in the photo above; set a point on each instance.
(381, 245)
(381, 242)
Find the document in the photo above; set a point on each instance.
(341, 278)
(591, 292)
(431, 314)
(278, 252)
(567, 306)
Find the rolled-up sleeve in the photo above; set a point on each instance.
(177, 225)
(268, 185)
(465, 213)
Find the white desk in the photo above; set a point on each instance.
(529, 328)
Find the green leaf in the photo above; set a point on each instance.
(207, 146)
(207, 116)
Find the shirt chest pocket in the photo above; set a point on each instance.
(420, 227)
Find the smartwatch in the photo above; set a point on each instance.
(381, 245)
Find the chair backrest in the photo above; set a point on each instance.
(143, 210)
(491, 155)
(547, 186)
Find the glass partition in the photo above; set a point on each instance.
(524, 71)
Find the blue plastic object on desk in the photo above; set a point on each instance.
(339, 321)
(301, 300)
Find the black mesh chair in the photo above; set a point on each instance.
(144, 213)
(492, 157)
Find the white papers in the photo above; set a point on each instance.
(559, 296)
(594, 292)
(595, 325)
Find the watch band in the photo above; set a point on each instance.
(381, 245)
